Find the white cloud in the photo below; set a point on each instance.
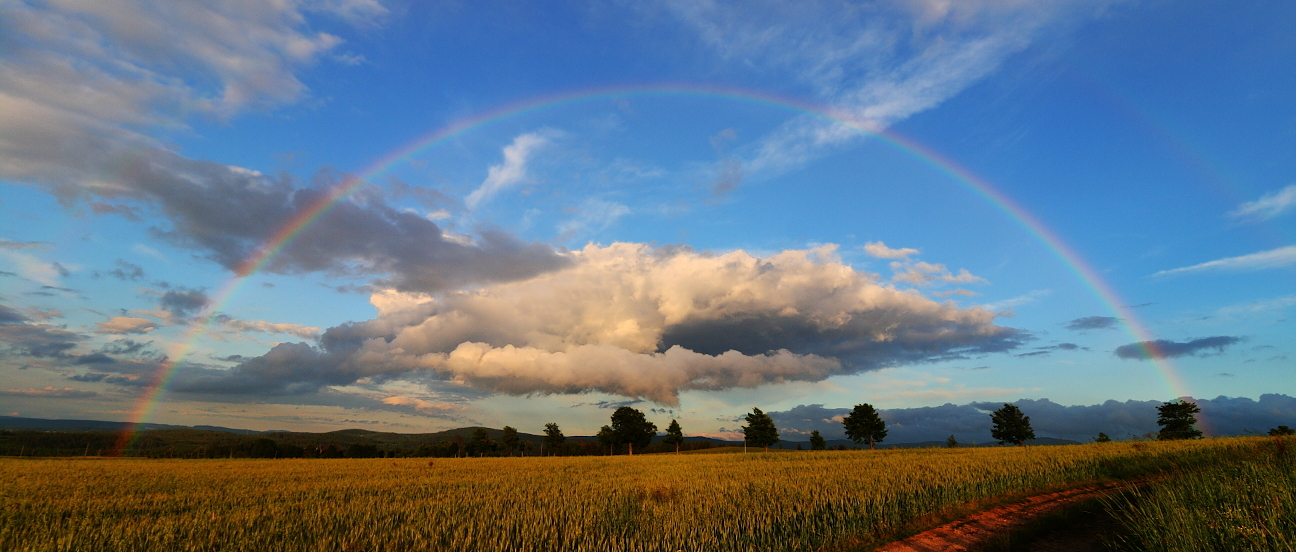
(1274, 258)
(1006, 305)
(881, 251)
(509, 173)
(261, 326)
(1268, 206)
(875, 63)
(594, 215)
(919, 273)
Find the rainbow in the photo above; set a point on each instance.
(288, 232)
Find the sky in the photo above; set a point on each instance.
(415, 216)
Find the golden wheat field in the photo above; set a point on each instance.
(666, 502)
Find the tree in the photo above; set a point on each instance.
(674, 435)
(1177, 420)
(629, 426)
(1281, 431)
(863, 425)
(481, 442)
(509, 440)
(1010, 426)
(264, 448)
(606, 438)
(553, 437)
(1102, 438)
(817, 442)
(951, 442)
(760, 430)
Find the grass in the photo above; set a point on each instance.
(1247, 504)
(668, 502)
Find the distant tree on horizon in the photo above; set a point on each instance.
(674, 435)
(1281, 430)
(760, 430)
(1178, 420)
(863, 425)
(1011, 426)
(630, 427)
(509, 440)
(1102, 438)
(951, 442)
(817, 442)
(553, 437)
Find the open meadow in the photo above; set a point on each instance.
(665, 502)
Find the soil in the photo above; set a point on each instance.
(977, 530)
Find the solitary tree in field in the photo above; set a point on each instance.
(863, 425)
(1178, 420)
(509, 440)
(1102, 438)
(607, 439)
(1281, 431)
(629, 426)
(1010, 425)
(674, 435)
(760, 430)
(817, 442)
(951, 442)
(553, 437)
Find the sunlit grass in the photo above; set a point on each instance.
(666, 502)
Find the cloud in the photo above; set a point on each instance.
(26, 335)
(1268, 206)
(1093, 323)
(10, 244)
(126, 325)
(1274, 258)
(86, 87)
(971, 422)
(509, 173)
(881, 251)
(127, 271)
(183, 302)
(921, 273)
(1161, 348)
(261, 326)
(1007, 305)
(594, 215)
(875, 63)
(425, 407)
(635, 321)
(49, 393)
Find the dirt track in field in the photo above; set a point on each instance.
(976, 530)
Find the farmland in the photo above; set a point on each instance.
(765, 501)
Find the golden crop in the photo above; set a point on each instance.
(666, 502)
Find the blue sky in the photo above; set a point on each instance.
(685, 230)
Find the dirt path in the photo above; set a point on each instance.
(975, 530)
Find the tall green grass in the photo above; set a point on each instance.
(1247, 502)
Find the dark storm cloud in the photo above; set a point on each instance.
(184, 302)
(1162, 348)
(1093, 323)
(971, 422)
(287, 369)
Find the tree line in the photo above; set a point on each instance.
(628, 432)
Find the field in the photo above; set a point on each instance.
(666, 502)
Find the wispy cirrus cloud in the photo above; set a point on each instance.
(511, 172)
(1268, 206)
(1274, 258)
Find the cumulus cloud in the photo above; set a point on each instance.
(1268, 206)
(1161, 348)
(183, 302)
(1274, 258)
(126, 325)
(971, 422)
(86, 87)
(1093, 323)
(509, 173)
(636, 321)
(881, 251)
